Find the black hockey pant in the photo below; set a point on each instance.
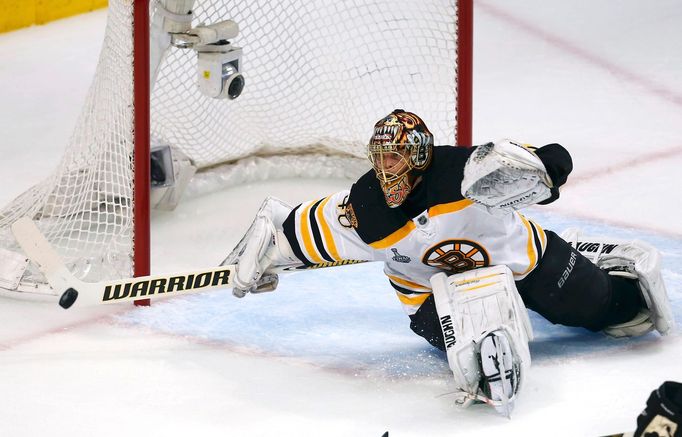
(587, 297)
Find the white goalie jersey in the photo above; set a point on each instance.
(439, 230)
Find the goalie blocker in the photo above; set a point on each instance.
(262, 250)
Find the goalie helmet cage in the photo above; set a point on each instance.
(319, 73)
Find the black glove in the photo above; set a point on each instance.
(663, 413)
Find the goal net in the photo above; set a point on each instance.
(318, 74)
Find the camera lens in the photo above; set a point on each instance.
(236, 86)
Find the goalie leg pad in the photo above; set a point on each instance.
(568, 289)
(634, 260)
(486, 330)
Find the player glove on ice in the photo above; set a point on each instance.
(663, 413)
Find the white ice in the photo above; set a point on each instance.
(330, 353)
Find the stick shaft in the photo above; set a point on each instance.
(40, 251)
(160, 286)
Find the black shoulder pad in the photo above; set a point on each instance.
(444, 176)
(374, 219)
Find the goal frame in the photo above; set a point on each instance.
(142, 126)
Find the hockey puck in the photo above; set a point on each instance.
(68, 298)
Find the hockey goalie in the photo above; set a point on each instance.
(464, 262)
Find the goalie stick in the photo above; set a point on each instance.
(41, 252)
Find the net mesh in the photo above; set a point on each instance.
(319, 73)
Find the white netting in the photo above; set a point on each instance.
(319, 74)
(84, 207)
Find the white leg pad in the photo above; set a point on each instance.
(481, 312)
(637, 260)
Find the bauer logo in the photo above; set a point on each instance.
(448, 331)
(567, 270)
(170, 284)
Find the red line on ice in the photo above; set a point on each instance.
(20, 340)
(669, 95)
(653, 88)
(651, 156)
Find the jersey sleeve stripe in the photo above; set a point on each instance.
(445, 208)
(543, 237)
(413, 300)
(326, 231)
(317, 237)
(530, 247)
(289, 229)
(395, 236)
(410, 298)
(305, 234)
(406, 291)
(405, 283)
(539, 247)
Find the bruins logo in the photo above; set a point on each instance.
(456, 256)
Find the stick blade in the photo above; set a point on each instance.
(36, 246)
(41, 252)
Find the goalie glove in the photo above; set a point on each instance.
(505, 176)
(263, 247)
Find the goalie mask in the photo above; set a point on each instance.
(401, 143)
